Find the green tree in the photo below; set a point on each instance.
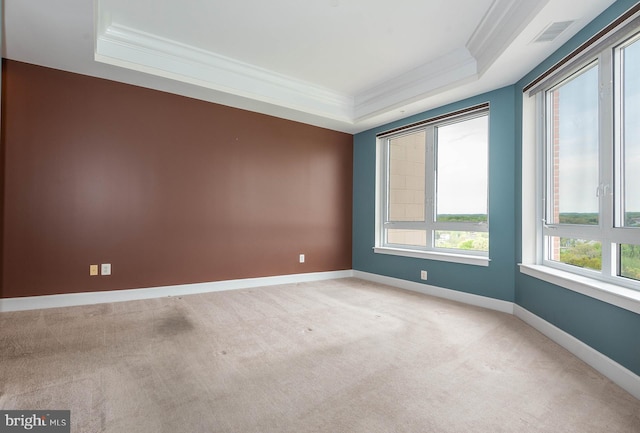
(584, 254)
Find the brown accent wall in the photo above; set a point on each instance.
(169, 190)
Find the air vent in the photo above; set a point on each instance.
(552, 31)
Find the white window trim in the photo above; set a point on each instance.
(532, 214)
(435, 255)
(473, 258)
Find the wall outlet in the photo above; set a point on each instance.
(93, 270)
(301, 258)
(423, 275)
(105, 269)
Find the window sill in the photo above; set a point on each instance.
(432, 255)
(622, 297)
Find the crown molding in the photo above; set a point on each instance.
(130, 48)
(499, 27)
(432, 77)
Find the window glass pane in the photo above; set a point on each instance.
(416, 238)
(475, 241)
(577, 252)
(573, 145)
(630, 261)
(406, 177)
(631, 133)
(462, 171)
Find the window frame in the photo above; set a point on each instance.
(430, 225)
(606, 284)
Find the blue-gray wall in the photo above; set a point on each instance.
(613, 331)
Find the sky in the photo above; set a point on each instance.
(463, 167)
(579, 137)
(579, 143)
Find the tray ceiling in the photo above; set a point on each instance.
(347, 65)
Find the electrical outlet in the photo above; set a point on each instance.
(93, 270)
(301, 258)
(423, 275)
(105, 269)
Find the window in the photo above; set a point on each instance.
(590, 171)
(433, 188)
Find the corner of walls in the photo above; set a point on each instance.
(494, 281)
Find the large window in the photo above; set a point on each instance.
(590, 171)
(433, 188)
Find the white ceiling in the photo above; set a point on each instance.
(347, 65)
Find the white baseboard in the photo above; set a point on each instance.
(618, 374)
(453, 295)
(86, 298)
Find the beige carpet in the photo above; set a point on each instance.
(335, 356)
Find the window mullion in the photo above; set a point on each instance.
(430, 187)
(617, 146)
(574, 231)
(606, 151)
(541, 176)
(547, 157)
(384, 208)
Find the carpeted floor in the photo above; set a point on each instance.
(333, 356)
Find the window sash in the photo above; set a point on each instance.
(609, 231)
(620, 95)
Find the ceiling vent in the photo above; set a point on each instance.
(552, 31)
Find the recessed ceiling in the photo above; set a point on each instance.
(347, 65)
